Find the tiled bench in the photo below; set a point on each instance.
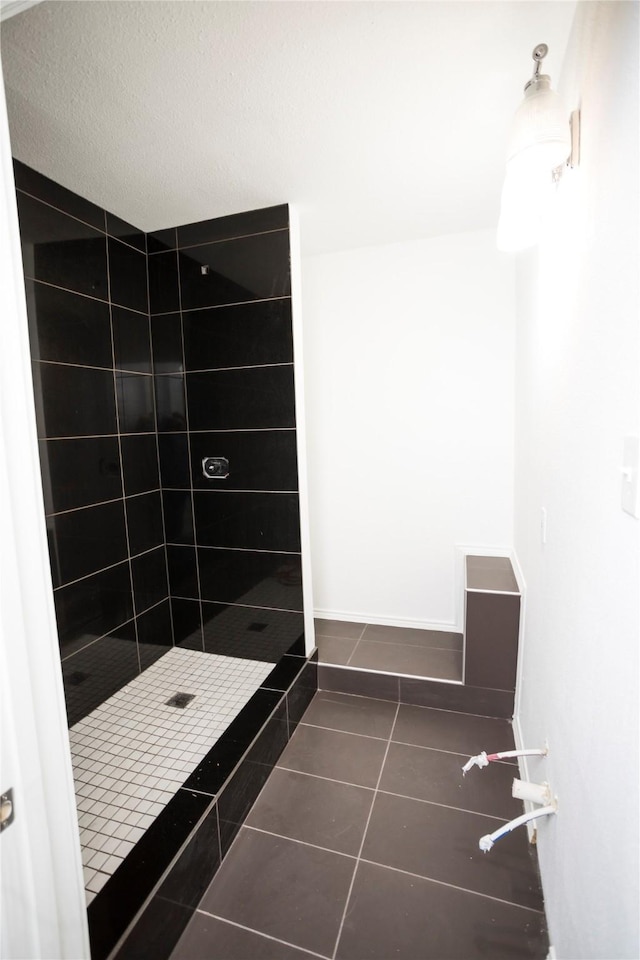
(492, 618)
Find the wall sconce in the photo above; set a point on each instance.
(541, 145)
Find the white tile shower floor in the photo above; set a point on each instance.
(134, 751)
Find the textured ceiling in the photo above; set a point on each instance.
(383, 121)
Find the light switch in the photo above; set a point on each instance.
(630, 470)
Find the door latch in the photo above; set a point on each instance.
(7, 811)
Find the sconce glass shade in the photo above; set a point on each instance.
(540, 135)
(539, 141)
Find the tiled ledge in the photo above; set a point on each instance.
(483, 701)
(166, 873)
(492, 623)
(419, 666)
(490, 575)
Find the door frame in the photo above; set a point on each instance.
(43, 899)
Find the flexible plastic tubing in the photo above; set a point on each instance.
(516, 753)
(488, 841)
(483, 759)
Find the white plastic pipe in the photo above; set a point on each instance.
(534, 792)
(484, 759)
(488, 841)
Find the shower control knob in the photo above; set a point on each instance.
(215, 468)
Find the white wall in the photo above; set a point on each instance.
(409, 380)
(578, 382)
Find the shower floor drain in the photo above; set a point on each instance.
(180, 700)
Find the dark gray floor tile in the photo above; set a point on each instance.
(282, 888)
(334, 649)
(314, 810)
(436, 776)
(380, 686)
(218, 940)
(458, 732)
(341, 711)
(442, 844)
(409, 636)
(393, 915)
(336, 755)
(338, 628)
(418, 661)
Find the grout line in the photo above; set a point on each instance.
(207, 243)
(227, 490)
(377, 672)
(359, 696)
(158, 546)
(286, 553)
(217, 430)
(219, 306)
(87, 296)
(364, 836)
(72, 216)
(101, 503)
(452, 886)
(157, 446)
(446, 806)
(452, 753)
(357, 644)
(244, 366)
(127, 559)
(91, 366)
(267, 936)
(101, 230)
(242, 236)
(220, 854)
(152, 607)
(317, 776)
(402, 796)
(97, 436)
(90, 643)
(330, 636)
(143, 493)
(248, 606)
(480, 716)
(318, 726)
(131, 246)
(304, 843)
(410, 646)
(196, 490)
(94, 573)
(117, 414)
(86, 506)
(189, 458)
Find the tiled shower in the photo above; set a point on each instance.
(178, 595)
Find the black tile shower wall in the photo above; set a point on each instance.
(220, 300)
(128, 408)
(88, 311)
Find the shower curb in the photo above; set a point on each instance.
(146, 904)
